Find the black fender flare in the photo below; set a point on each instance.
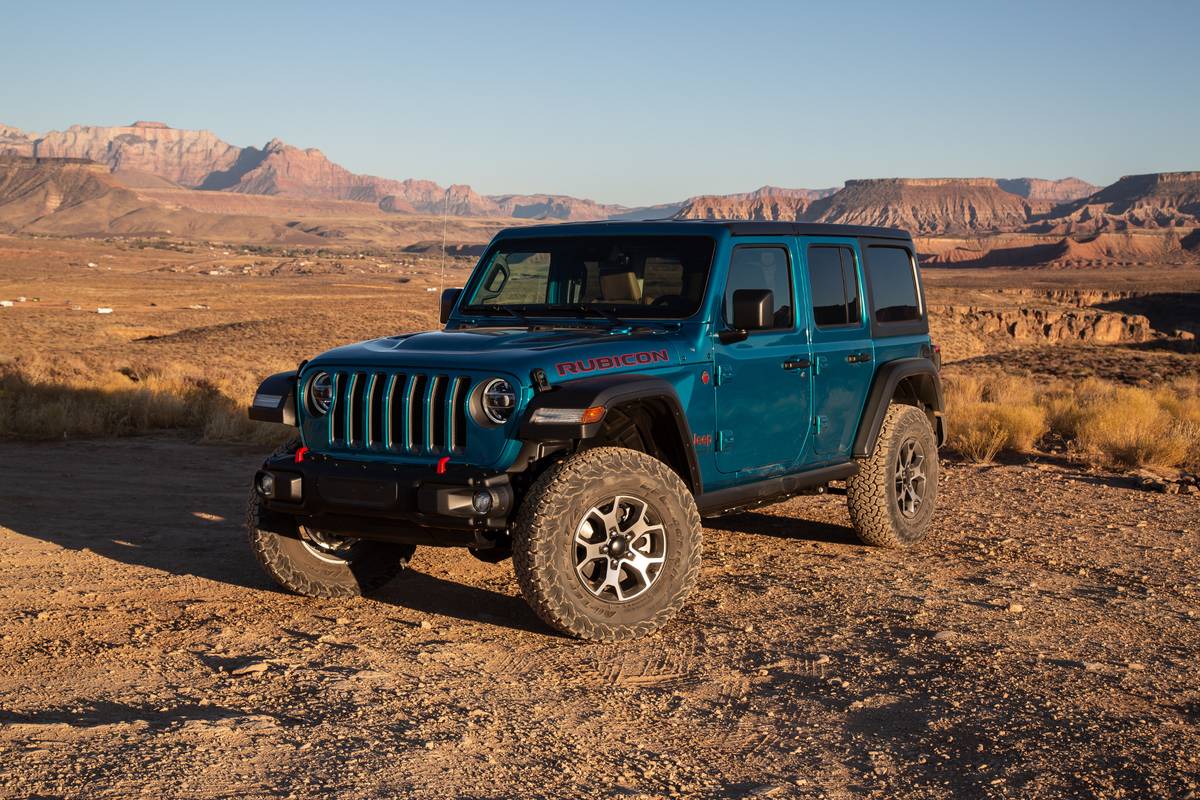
(610, 391)
(883, 389)
(275, 400)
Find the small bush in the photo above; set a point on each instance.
(981, 430)
(1134, 427)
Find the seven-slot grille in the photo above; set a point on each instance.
(409, 413)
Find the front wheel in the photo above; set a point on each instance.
(315, 563)
(892, 498)
(607, 544)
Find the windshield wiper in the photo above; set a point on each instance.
(521, 318)
(583, 309)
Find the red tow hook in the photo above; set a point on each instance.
(300, 455)
(441, 465)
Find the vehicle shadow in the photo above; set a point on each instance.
(783, 527)
(169, 505)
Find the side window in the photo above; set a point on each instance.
(834, 282)
(893, 284)
(754, 267)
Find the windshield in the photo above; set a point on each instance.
(626, 276)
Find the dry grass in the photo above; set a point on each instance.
(48, 401)
(1104, 423)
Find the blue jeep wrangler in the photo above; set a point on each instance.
(599, 388)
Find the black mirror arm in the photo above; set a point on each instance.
(733, 335)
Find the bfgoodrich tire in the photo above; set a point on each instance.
(312, 563)
(607, 544)
(893, 496)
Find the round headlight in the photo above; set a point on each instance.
(499, 400)
(320, 394)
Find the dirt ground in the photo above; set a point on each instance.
(1044, 642)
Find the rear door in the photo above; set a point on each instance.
(843, 351)
(763, 390)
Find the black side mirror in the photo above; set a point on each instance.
(753, 309)
(449, 298)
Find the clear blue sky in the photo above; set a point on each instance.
(635, 102)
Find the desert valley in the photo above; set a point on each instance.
(1043, 642)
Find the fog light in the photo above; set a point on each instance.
(482, 501)
(266, 485)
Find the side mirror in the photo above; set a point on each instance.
(753, 309)
(449, 298)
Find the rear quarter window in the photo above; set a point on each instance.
(893, 282)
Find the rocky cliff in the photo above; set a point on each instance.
(183, 157)
(924, 205)
(1031, 325)
(1040, 190)
(15, 142)
(767, 203)
(553, 207)
(1155, 200)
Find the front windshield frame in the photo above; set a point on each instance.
(586, 311)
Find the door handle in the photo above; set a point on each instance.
(796, 363)
(858, 358)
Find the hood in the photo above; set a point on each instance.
(562, 352)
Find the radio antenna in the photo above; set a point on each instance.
(445, 213)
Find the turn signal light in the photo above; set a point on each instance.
(568, 416)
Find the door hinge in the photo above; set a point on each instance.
(819, 363)
(724, 373)
(724, 441)
(819, 422)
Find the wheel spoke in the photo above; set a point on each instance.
(640, 564)
(612, 580)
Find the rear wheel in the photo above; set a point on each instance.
(315, 563)
(892, 498)
(606, 545)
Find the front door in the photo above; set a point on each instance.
(763, 380)
(843, 352)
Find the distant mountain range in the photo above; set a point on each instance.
(199, 160)
(147, 159)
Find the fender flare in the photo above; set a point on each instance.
(275, 400)
(883, 389)
(610, 391)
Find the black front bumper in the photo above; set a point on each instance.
(399, 502)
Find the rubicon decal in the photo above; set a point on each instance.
(611, 362)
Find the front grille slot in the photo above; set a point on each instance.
(458, 416)
(405, 413)
(374, 405)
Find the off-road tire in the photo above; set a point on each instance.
(871, 494)
(544, 545)
(275, 540)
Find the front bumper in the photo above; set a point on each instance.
(382, 500)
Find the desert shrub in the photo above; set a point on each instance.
(40, 401)
(1068, 404)
(976, 434)
(982, 430)
(990, 413)
(1136, 427)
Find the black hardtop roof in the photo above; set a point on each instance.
(704, 226)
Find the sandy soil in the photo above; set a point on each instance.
(1043, 643)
